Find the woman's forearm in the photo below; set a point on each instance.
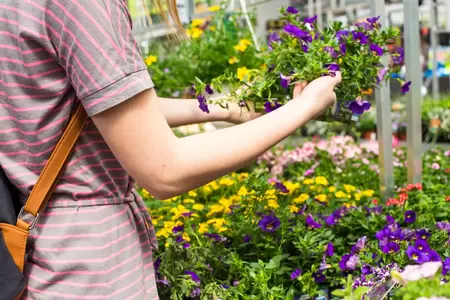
(179, 112)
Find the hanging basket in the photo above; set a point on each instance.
(339, 113)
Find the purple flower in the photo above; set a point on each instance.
(274, 37)
(319, 277)
(193, 275)
(292, 10)
(281, 187)
(358, 107)
(285, 80)
(390, 219)
(373, 21)
(434, 256)
(366, 270)
(310, 223)
(296, 274)
(349, 262)
(271, 106)
(398, 57)
(410, 216)
(305, 47)
(269, 223)
(157, 264)
(381, 74)
(187, 214)
(343, 48)
(363, 25)
(443, 226)
(298, 33)
(165, 282)
(361, 37)
(209, 90)
(196, 292)
(329, 251)
(360, 244)
(332, 69)
(331, 51)
(202, 104)
(406, 87)
(446, 266)
(311, 20)
(416, 255)
(215, 237)
(192, 90)
(186, 245)
(330, 220)
(341, 34)
(177, 229)
(422, 234)
(308, 172)
(390, 248)
(235, 283)
(422, 245)
(247, 238)
(376, 49)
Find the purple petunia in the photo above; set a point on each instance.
(360, 245)
(410, 216)
(366, 269)
(361, 37)
(310, 223)
(209, 90)
(178, 229)
(285, 80)
(274, 37)
(330, 220)
(434, 256)
(417, 255)
(381, 74)
(422, 245)
(192, 90)
(194, 276)
(164, 282)
(196, 292)
(271, 106)
(363, 25)
(376, 49)
(215, 237)
(390, 219)
(399, 56)
(358, 107)
(406, 87)
(349, 262)
(343, 48)
(269, 223)
(247, 238)
(341, 34)
(202, 104)
(292, 10)
(305, 47)
(443, 226)
(281, 187)
(422, 234)
(331, 51)
(390, 248)
(329, 251)
(296, 274)
(446, 266)
(319, 277)
(373, 20)
(332, 69)
(310, 20)
(297, 32)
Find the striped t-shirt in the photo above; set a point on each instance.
(54, 53)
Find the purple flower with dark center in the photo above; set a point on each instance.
(330, 220)
(366, 270)
(341, 34)
(390, 248)
(164, 282)
(274, 37)
(247, 239)
(358, 107)
(319, 277)
(434, 256)
(383, 234)
(192, 90)
(399, 56)
(269, 223)
(281, 187)
(360, 245)
(285, 80)
(193, 275)
(226, 287)
(410, 216)
(373, 21)
(271, 106)
(292, 10)
(329, 251)
(156, 264)
(305, 47)
(177, 229)
(343, 48)
(297, 32)
(310, 223)
(349, 262)
(363, 25)
(202, 104)
(311, 20)
(397, 235)
(331, 51)
(377, 50)
(332, 69)
(186, 245)
(296, 274)
(214, 237)
(361, 37)
(187, 214)
(422, 234)
(390, 219)
(209, 90)
(196, 293)
(446, 266)
(381, 74)
(422, 245)
(443, 226)
(416, 255)
(406, 87)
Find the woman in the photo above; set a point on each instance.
(95, 240)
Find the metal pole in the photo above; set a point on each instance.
(384, 120)
(319, 14)
(413, 74)
(434, 44)
(311, 8)
(447, 20)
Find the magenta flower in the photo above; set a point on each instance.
(292, 10)
(377, 50)
(269, 223)
(406, 87)
(296, 274)
(435, 166)
(308, 172)
(310, 223)
(358, 107)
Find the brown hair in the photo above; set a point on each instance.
(171, 8)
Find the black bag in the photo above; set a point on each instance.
(12, 281)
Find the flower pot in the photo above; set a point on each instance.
(401, 136)
(339, 113)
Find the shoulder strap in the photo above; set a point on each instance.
(42, 190)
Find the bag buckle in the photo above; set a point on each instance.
(35, 219)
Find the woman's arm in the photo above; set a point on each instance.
(139, 136)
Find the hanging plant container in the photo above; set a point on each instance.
(339, 113)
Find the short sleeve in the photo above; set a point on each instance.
(94, 43)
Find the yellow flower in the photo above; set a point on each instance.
(214, 209)
(197, 22)
(358, 196)
(212, 28)
(207, 189)
(349, 188)
(321, 198)
(273, 204)
(321, 180)
(203, 228)
(198, 207)
(178, 211)
(245, 42)
(163, 232)
(166, 245)
(368, 193)
(222, 229)
(226, 181)
(300, 199)
(235, 198)
(214, 8)
(340, 60)
(188, 201)
(369, 91)
(186, 236)
(240, 47)
(271, 194)
(340, 194)
(263, 67)
(242, 73)
(192, 194)
(150, 60)
(233, 60)
(243, 176)
(349, 204)
(217, 222)
(331, 189)
(308, 181)
(243, 191)
(194, 32)
(291, 186)
(145, 194)
(312, 187)
(294, 209)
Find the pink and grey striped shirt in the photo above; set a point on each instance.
(54, 53)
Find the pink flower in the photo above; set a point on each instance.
(416, 272)
(395, 141)
(447, 153)
(435, 166)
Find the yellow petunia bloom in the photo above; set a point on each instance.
(368, 193)
(178, 211)
(243, 191)
(331, 189)
(245, 42)
(233, 60)
(187, 201)
(242, 73)
(145, 194)
(150, 60)
(308, 181)
(192, 194)
(214, 209)
(349, 188)
(322, 198)
(291, 186)
(300, 199)
(358, 196)
(198, 207)
(321, 180)
(163, 232)
(212, 28)
(240, 47)
(203, 228)
(197, 22)
(340, 194)
(186, 236)
(271, 194)
(273, 204)
(226, 181)
(294, 209)
(194, 33)
(214, 8)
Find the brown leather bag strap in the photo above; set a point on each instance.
(43, 188)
